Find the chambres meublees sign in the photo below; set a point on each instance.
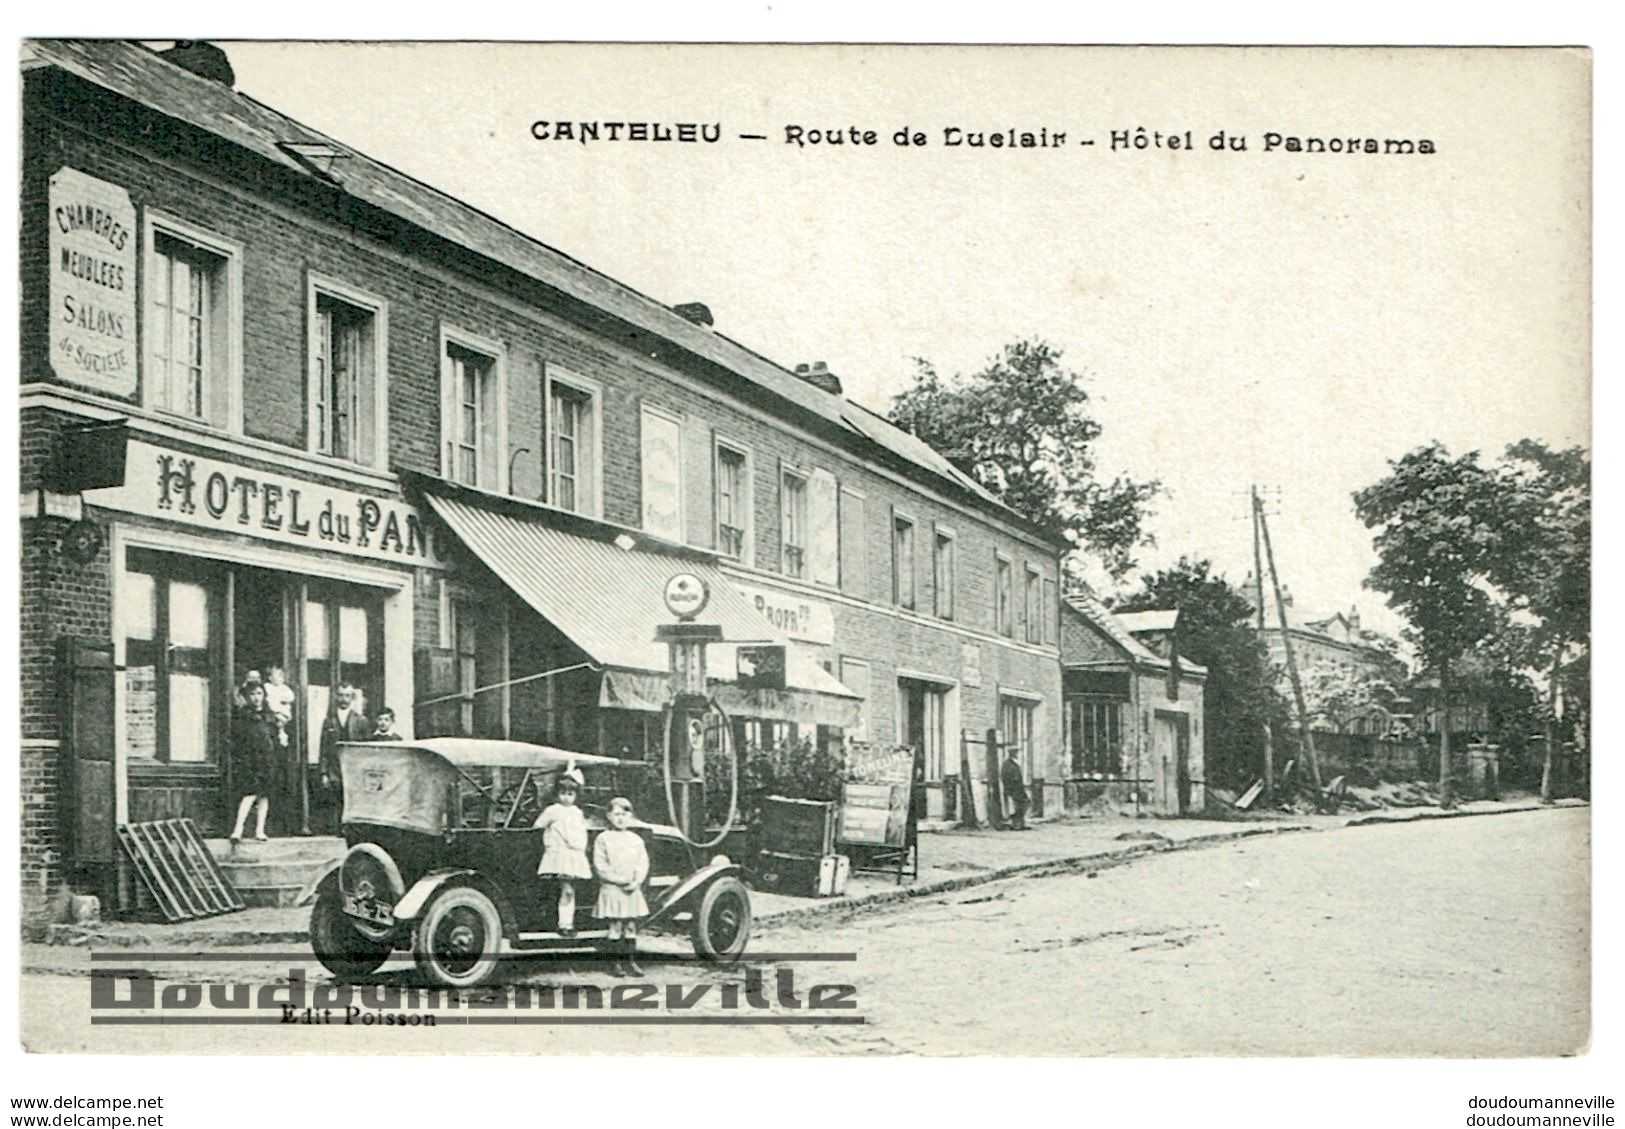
(93, 250)
(226, 497)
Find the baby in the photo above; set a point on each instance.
(279, 699)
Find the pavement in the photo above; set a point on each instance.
(949, 860)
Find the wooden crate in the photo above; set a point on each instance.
(798, 827)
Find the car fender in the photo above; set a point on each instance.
(413, 901)
(308, 894)
(689, 888)
(391, 871)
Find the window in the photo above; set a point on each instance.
(902, 562)
(192, 325)
(473, 421)
(1002, 611)
(573, 467)
(1051, 613)
(1095, 737)
(1033, 605)
(475, 631)
(348, 396)
(733, 501)
(661, 462)
(793, 515)
(172, 651)
(942, 573)
(1016, 728)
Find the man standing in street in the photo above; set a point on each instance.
(1015, 790)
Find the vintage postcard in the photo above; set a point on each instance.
(821, 550)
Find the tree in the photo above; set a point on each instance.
(1023, 428)
(1441, 530)
(1215, 631)
(1545, 576)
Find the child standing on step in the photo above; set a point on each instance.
(564, 846)
(622, 864)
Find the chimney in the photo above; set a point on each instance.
(818, 375)
(697, 312)
(202, 58)
(1354, 618)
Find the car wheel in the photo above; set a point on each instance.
(458, 938)
(722, 921)
(342, 948)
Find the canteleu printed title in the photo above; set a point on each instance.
(1007, 137)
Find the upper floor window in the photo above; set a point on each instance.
(472, 400)
(793, 512)
(573, 468)
(733, 500)
(192, 331)
(1003, 612)
(942, 573)
(1033, 605)
(902, 562)
(348, 398)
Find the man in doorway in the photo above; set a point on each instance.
(347, 722)
(1015, 790)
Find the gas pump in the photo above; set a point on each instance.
(692, 712)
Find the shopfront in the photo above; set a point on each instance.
(200, 599)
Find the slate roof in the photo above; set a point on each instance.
(138, 73)
(1115, 627)
(1160, 619)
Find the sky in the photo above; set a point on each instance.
(1293, 320)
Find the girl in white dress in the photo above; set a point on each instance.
(564, 846)
(622, 864)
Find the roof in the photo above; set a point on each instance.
(1115, 627)
(479, 752)
(140, 74)
(1157, 619)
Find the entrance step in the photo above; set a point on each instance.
(273, 873)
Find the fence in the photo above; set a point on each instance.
(1355, 753)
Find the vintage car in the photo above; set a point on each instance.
(442, 861)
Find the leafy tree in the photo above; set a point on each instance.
(1215, 631)
(1441, 529)
(1023, 427)
(1339, 696)
(1545, 576)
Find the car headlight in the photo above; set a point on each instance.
(721, 860)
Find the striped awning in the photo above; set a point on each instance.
(608, 600)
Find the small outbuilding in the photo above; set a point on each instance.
(1133, 717)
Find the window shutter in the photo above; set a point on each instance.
(436, 676)
(854, 542)
(493, 460)
(823, 537)
(367, 378)
(699, 488)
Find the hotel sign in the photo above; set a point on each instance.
(210, 494)
(92, 247)
(807, 621)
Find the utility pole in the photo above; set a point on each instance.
(1286, 640)
(1258, 596)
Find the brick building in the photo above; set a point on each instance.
(284, 406)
